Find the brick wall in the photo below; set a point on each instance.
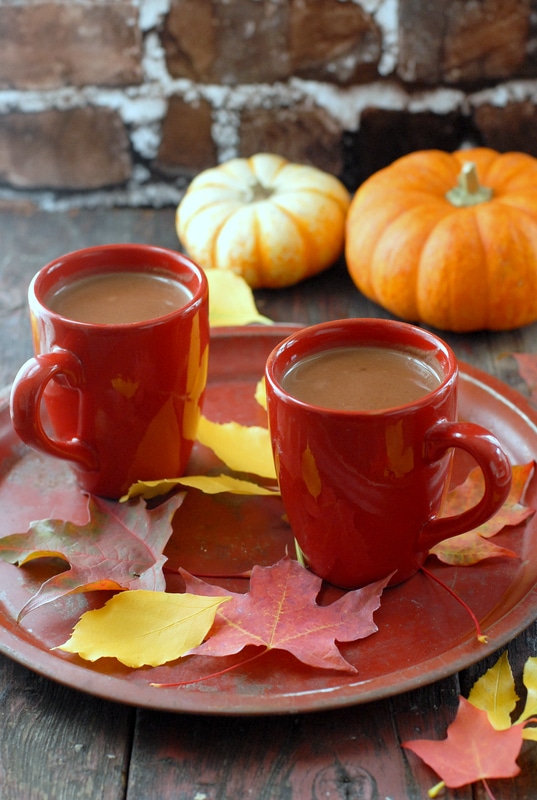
(123, 101)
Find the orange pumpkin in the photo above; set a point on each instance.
(272, 222)
(449, 240)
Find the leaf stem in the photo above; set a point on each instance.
(480, 636)
(247, 574)
(487, 789)
(434, 791)
(213, 674)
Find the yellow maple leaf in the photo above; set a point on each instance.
(231, 301)
(144, 628)
(243, 448)
(215, 484)
(210, 484)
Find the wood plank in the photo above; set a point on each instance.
(349, 753)
(59, 743)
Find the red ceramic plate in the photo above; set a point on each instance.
(424, 634)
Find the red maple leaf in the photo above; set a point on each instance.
(473, 749)
(280, 612)
(120, 547)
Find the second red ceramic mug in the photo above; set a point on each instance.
(362, 480)
(121, 339)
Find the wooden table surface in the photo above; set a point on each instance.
(59, 743)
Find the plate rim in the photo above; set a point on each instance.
(115, 689)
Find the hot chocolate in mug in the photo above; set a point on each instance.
(116, 386)
(363, 422)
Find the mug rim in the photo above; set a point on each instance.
(328, 331)
(96, 260)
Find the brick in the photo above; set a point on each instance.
(246, 42)
(486, 41)
(83, 148)
(510, 128)
(421, 34)
(50, 44)
(333, 41)
(462, 42)
(214, 41)
(186, 141)
(55, 44)
(301, 134)
(189, 39)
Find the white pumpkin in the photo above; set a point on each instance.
(270, 221)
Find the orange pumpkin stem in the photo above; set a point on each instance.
(468, 192)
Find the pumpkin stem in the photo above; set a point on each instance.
(256, 191)
(468, 191)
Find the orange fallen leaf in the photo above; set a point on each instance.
(482, 741)
(471, 547)
(468, 549)
(473, 749)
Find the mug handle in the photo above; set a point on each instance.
(486, 450)
(25, 405)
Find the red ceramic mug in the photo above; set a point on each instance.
(122, 394)
(362, 489)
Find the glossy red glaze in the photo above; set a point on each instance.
(362, 490)
(123, 400)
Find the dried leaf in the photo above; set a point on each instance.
(215, 484)
(513, 512)
(527, 366)
(120, 547)
(243, 448)
(260, 393)
(231, 301)
(471, 547)
(483, 742)
(495, 694)
(280, 612)
(468, 549)
(142, 628)
(473, 749)
(210, 484)
(150, 489)
(530, 682)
